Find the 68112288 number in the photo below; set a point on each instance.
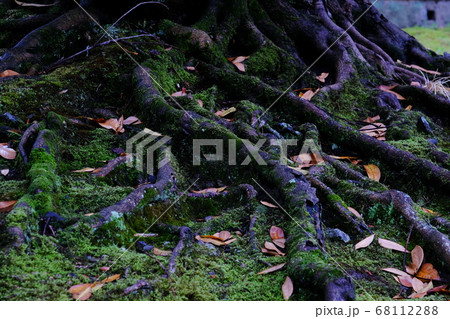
(407, 310)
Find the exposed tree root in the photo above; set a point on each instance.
(185, 240)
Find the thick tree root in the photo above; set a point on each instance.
(185, 240)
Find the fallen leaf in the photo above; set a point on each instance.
(408, 108)
(437, 289)
(271, 246)
(210, 190)
(81, 292)
(373, 172)
(308, 159)
(271, 269)
(387, 88)
(180, 93)
(159, 252)
(377, 130)
(322, 77)
(7, 152)
(395, 271)
(414, 83)
(417, 259)
(215, 242)
(372, 119)
(287, 288)
(276, 232)
(406, 281)
(354, 212)
(113, 124)
(27, 4)
(237, 61)
(343, 157)
(223, 112)
(429, 211)
(418, 285)
(111, 278)
(413, 66)
(427, 271)
(104, 268)
(4, 172)
(200, 102)
(7, 206)
(224, 235)
(145, 235)
(280, 242)
(365, 242)
(308, 95)
(6, 73)
(391, 245)
(84, 170)
(268, 204)
(190, 68)
(132, 120)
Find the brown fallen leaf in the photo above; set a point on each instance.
(280, 242)
(111, 278)
(113, 124)
(395, 271)
(84, 170)
(387, 88)
(268, 204)
(7, 206)
(418, 285)
(354, 212)
(391, 245)
(225, 112)
(308, 95)
(210, 190)
(413, 66)
(224, 235)
(271, 269)
(271, 246)
(373, 172)
(343, 157)
(214, 241)
(308, 159)
(377, 130)
(372, 119)
(427, 271)
(429, 211)
(81, 292)
(408, 108)
(269, 252)
(7, 152)
(237, 61)
(365, 242)
(406, 281)
(180, 93)
(105, 268)
(4, 172)
(417, 256)
(7, 73)
(276, 232)
(132, 120)
(287, 288)
(160, 252)
(322, 77)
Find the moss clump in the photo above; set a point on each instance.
(12, 190)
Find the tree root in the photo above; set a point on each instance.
(24, 143)
(185, 239)
(112, 164)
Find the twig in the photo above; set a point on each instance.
(407, 242)
(160, 264)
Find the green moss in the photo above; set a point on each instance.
(12, 190)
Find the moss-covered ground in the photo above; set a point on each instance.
(48, 264)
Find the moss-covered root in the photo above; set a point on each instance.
(403, 203)
(185, 240)
(308, 267)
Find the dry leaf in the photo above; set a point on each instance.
(391, 245)
(200, 102)
(373, 172)
(210, 190)
(354, 212)
(180, 93)
(417, 259)
(418, 285)
(271, 269)
(377, 130)
(276, 232)
(365, 242)
(132, 120)
(269, 252)
(268, 204)
(287, 288)
(413, 66)
(307, 159)
(427, 271)
(396, 271)
(322, 77)
(84, 170)
(406, 281)
(7, 152)
(271, 246)
(7, 206)
(4, 172)
(237, 61)
(81, 292)
(215, 241)
(111, 278)
(308, 95)
(113, 124)
(27, 4)
(387, 88)
(159, 252)
(343, 157)
(280, 242)
(105, 268)
(223, 112)
(408, 108)
(224, 235)
(429, 211)
(372, 119)
(230, 241)
(6, 73)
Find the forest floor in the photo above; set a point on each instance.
(436, 39)
(63, 250)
